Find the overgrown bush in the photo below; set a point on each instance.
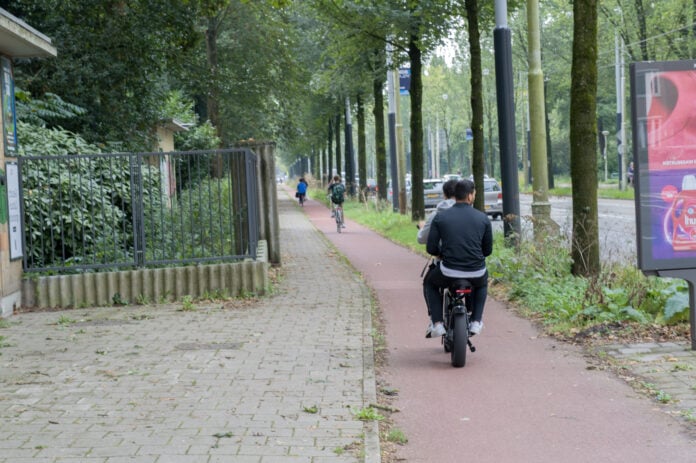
(538, 276)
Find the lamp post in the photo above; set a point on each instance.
(604, 153)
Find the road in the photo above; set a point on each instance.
(617, 224)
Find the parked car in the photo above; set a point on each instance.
(432, 192)
(493, 198)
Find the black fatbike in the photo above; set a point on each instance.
(457, 305)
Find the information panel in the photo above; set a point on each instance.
(14, 210)
(663, 105)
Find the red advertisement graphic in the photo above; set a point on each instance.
(671, 145)
(671, 121)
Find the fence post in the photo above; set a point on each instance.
(136, 179)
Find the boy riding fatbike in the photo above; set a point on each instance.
(424, 230)
(462, 238)
(337, 193)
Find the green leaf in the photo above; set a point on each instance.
(677, 304)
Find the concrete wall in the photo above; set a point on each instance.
(148, 285)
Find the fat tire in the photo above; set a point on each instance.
(460, 338)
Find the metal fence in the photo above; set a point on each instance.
(108, 211)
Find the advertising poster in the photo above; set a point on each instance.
(14, 210)
(8, 107)
(664, 142)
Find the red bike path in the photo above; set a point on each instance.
(521, 397)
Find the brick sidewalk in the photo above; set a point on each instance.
(667, 370)
(262, 381)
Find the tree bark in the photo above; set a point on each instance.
(583, 139)
(380, 144)
(330, 152)
(416, 91)
(337, 131)
(478, 165)
(362, 154)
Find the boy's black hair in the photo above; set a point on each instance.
(448, 188)
(463, 189)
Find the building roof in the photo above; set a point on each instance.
(20, 40)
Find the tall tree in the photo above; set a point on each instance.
(362, 153)
(583, 139)
(478, 163)
(115, 60)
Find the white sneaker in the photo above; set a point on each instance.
(475, 327)
(438, 331)
(429, 330)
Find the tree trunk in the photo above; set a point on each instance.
(337, 131)
(380, 144)
(642, 30)
(362, 154)
(583, 139)
(330, 153)
(478, 165)
(416, 91)
(213, 110)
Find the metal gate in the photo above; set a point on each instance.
(108, 211)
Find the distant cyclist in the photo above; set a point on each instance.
(301, 191)
(337, 192)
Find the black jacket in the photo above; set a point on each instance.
(462, 236)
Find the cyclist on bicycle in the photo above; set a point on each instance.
(462, 238)
(337, 193)
(301, 190)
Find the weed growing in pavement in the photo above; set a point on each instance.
(682, 367)
(4, 323)
(64, 320)
(117, 299)
(312, 409)
(367, 414)
(397, 436)
(663, 397)
(3, 343)
(689, 415)
(187, 304)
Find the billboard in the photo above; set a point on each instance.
(663, 102)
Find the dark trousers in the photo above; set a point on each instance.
(434, 280)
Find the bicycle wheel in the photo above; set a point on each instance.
(339, 220)
(460, 338)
